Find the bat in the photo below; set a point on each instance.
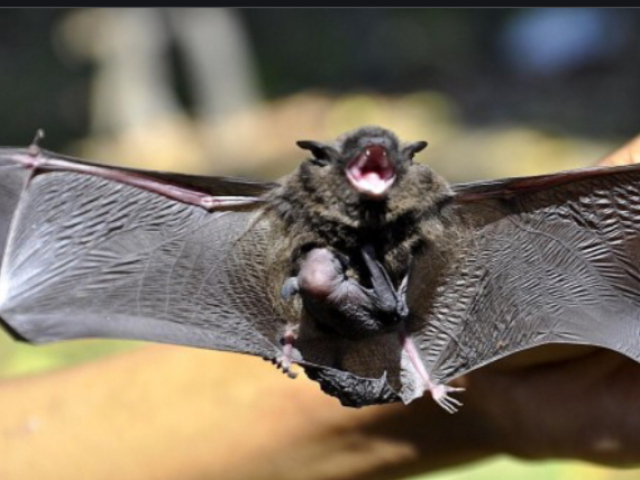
(367, 269)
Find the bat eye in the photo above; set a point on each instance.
(321, 162)
(323, 154)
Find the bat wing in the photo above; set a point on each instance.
(92, 251)
(549, 259)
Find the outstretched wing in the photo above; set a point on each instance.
(93, 251)
(550, 259)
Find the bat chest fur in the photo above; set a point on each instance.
(392, 238)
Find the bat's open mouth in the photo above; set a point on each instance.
(371, 172)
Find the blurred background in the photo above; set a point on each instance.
(496, 92)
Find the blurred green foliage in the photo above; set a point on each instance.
(19, 359)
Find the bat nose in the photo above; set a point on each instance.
(377, 142)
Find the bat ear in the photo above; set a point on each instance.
(319, 150)
(411, 149)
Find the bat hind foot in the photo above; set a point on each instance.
(284, 363)
(440, 394)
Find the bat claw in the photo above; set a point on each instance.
(34, 148)
(284, 363)
(284, 360)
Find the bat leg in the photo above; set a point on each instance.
(439, 392)
(285, 360)
(387, 299)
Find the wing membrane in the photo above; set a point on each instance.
(543, 265)
(91, 257)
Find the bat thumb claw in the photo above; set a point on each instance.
(34, 148)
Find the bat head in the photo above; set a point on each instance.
(366, 179)
(370, 158)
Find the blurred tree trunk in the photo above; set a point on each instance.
(133, 83)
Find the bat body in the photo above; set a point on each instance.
(367, 269)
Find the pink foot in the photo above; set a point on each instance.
(284, 361)
(439, 392)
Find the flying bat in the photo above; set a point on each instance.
(362, 266)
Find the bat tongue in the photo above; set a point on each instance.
(371, 172)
